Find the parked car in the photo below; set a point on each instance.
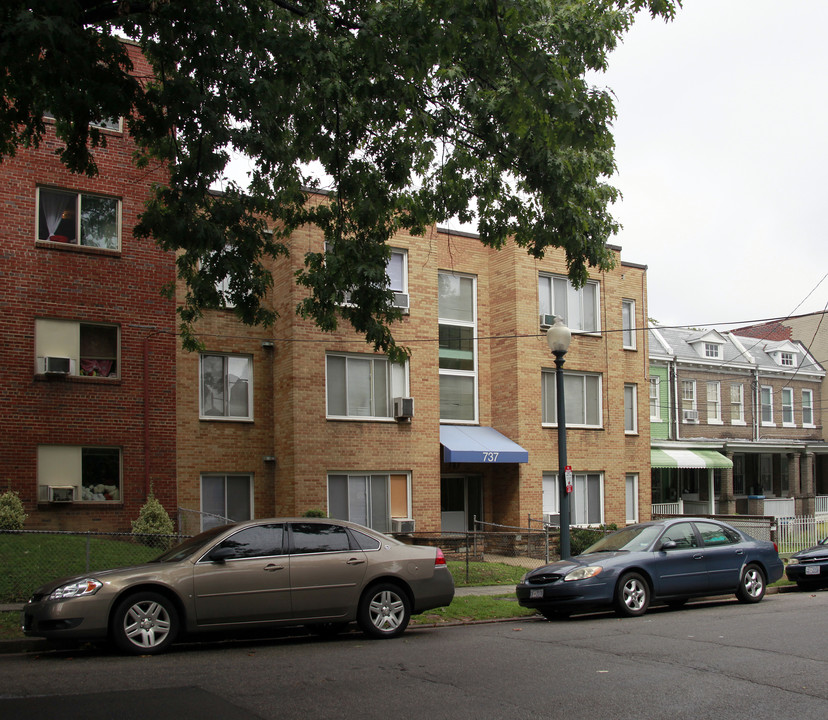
(670, 560)
(809, 568)
(259, 574)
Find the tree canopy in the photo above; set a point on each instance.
(419, 111)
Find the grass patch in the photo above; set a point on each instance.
(481, 573)
(29, 560)
(474, 607)
(10, 626)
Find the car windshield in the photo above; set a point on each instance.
(189, 546)
(629, 539)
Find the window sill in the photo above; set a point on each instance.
(570, 426)
(361, 418)
(741, 423)
(215, 418)
(769, 424)
(630, 348)
(74, 247)
(715, 422)
(55, 377)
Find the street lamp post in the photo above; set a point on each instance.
(558, 338)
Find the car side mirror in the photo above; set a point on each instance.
(669, 545)
(220, 554)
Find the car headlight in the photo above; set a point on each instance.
(793, 561)
(79, 588)
(582, 573)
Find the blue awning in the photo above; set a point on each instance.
(475, 444)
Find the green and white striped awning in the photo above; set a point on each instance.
(709, 459)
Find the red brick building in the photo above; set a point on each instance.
(88, 355)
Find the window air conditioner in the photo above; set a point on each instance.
(401, 300)
(57, 365)
(402, 526)
(403, 408)
(691, 416)
(61, 493)
(547, 321)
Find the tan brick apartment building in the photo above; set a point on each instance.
(88, 390)
(291, 419)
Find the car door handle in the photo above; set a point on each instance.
(698, 557)
(354, 561)
(273, 568)
(740, 552)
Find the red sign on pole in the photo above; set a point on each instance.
(568, 476)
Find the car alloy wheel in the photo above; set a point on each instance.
(752, 586)
(384, 611)
(632, 596)
(145, 623)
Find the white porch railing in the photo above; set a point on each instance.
(779, 507)
(675, 508)
(799, 533)
(821, 506)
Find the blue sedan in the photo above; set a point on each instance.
(667, 560)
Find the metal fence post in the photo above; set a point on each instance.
(88, 551)
(467, 557)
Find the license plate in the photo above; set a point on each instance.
(809, 570)
(538, 593)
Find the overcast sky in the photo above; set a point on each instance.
(722, 151)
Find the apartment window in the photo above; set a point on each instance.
(586, 501)
(711, 350)
(397, 272)
(577, 307)
(457, 310)
(787, 407)
(76, 348)
(628, 324)
(363, 386)
(786, 358)
(226, 388)
(631, 497)
(630, 409)
(688, 401)
(114, 123)
(79, 219)
(582, 399)
(766, 404)
(714, 403)
(85, 474)
(225, 497)
(808, 408)
(369, 499)
(737, 404)
(655, 399)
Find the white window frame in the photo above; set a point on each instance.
(712, 350)
(367, 516)
(630, 409)
(78, 211)
(396, 384)
(548, 383)
(688, 399)
(788, 416)
(207, 519)
(452, 373)
(628, 338)
(655, 398)
(227, 390)
(786, 359)
(737, 404)
(631, 488)
(808, 418)
(714, 403)
(62, 465)
(399, 252)
(766, 389)
(551, 497)
(64, 339)
(579, 324)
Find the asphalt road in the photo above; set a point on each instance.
(708, 660)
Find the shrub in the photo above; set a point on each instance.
(314, 513)
(12, 515)
(581, 538)
(154, 523)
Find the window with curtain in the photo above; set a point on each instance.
(457, 311)
(363, 386)
(630, 409)
(578, 307)
(368, 499)
(788, 406)
(766, 404)
(582, 399)
(586, 501)
(78, 218)
(808, 408)
(226, 388)
(92, 348)
(628, 324)
(655, 399)
(227, 497)
(737, 404)
(714, 402)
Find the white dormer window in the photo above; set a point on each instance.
(786, 358)
(711, 350)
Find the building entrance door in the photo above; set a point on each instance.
(461, 501)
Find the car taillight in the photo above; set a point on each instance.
(776, 547)
(440, 559)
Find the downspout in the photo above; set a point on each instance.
(146, 419)
(675, 404)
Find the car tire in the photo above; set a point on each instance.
(752, 584)
(632, 595)
(384, 611)
(145, 623)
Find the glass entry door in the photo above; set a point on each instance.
(461, 500)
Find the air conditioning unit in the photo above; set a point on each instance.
(402, 526)
(403, 408)
(57, 365)
(691, 416)
(401, 300)
(547, 321)
(62, 493)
